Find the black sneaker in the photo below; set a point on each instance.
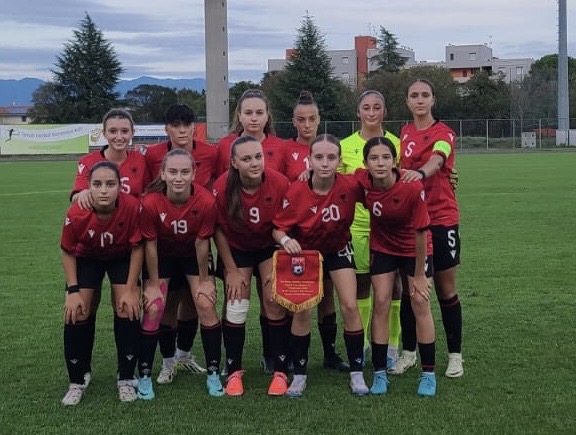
(336, 363)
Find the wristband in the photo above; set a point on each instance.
(284, 240)
(72, 288)
(421, 172)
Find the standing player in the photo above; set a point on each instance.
(104, 239)
(177, 220)
(296, 160)
(399, 240)
(317, 215)
(248, 197)
(180, 316)
(371, 111)
(252, 117)
(428, 155)
(118, 129)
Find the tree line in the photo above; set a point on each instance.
(87, 71)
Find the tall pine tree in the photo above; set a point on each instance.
(388, 58)
(85, 75)
(309, 68)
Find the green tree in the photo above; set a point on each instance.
(149, 102)
(388, 58)
(48, 105)
(486, 97)
(85, 76)
(541, 87)
(196, 100)
(236, 92)
(309, 68)
(394, 86)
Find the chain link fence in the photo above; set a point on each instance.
(472, 134)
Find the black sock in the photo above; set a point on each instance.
(279, 331)
(90, 338)
(167, 341)
(354, 341)
(126, 334)
(212, 343)
(186, 333)
(299, 345)
(408, 325)
(427, 356)
(234, 336)
(76, 350)
(379, 353)
(452, 319)
(328, 331)
(266, 349)
(148, 342)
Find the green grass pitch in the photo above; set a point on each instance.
(517, 290)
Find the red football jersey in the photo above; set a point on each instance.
(177, 226)
(132, 172)
(205, 156)
(295, 159)
(417, 146)
(320, 222)
(259, 210)
(395, 215)
(86, 235)
(271, 145)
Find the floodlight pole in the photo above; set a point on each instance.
(563, 105)
(217, 93)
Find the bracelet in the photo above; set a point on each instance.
(72, 288)
(285, 240)
(421, 172)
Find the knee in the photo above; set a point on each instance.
(237, 311)
(153, 315)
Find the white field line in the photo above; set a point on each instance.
(39, 192)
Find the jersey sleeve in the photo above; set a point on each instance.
(148, 225)
(68, 239)
(287, 216)
(421, 219)
(208, 221)
(81, 181)
(444, 143)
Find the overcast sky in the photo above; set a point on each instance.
(166, 38)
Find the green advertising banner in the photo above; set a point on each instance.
(43, 139)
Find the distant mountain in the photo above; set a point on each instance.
(19, 92)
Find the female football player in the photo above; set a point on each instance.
(103, 239)
(248, 197)
(177, 221)
(316, 215)
(427, 154)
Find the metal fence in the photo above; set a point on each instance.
(473, 134)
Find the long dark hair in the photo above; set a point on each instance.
(305, 99)
(105, 164)
(426, 82)
(379, 140)
(234, 184)
(252, 93)
(158, 184)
